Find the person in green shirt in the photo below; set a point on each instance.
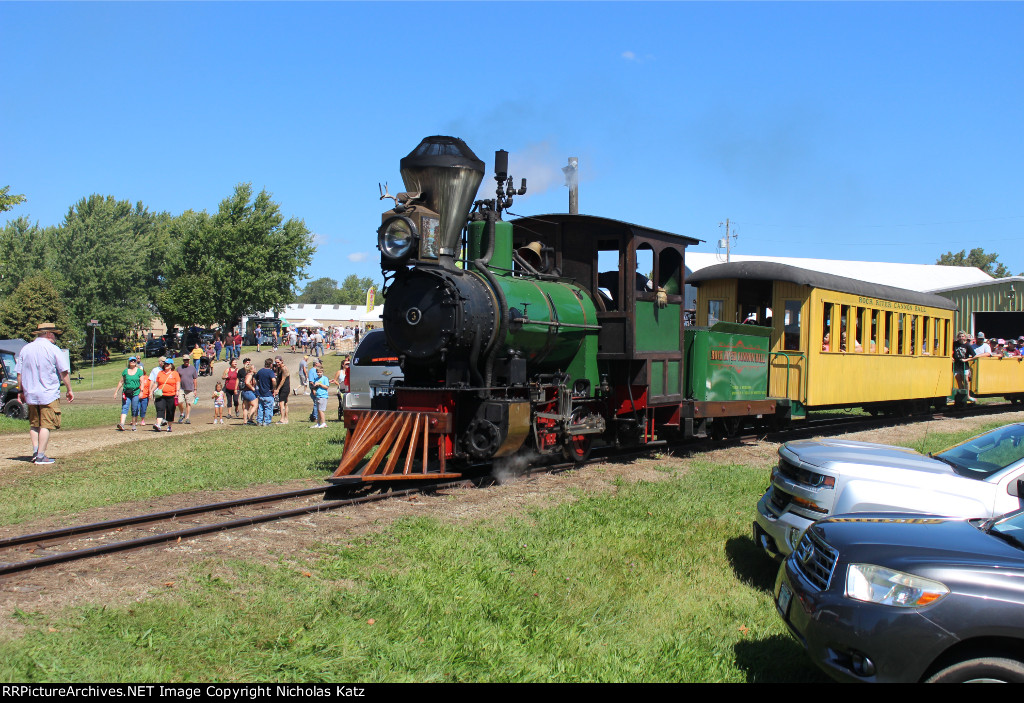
(128, 386)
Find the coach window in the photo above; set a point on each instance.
(844, 328)
(715, 308)
(826, 329)
(791, 328)
(886, 333)
(873, 332)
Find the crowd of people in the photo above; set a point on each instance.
(245, 390)
(967, 348)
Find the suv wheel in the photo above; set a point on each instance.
(16, 410)
(980, 670)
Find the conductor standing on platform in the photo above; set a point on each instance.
(41, 369)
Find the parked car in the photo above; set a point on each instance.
(818, 478)
(374, 373)
(883, 597)
(9, 388)
(156, 347)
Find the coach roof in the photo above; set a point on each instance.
(770, 271)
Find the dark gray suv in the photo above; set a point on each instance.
(884, 597)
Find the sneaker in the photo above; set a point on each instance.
(42, 459)
(187, 421)
(168, 428)
(120, 427)
(35, 453)
(134, 428)
(156, 428)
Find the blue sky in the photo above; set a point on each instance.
(869, 131)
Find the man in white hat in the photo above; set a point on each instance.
(41, 368)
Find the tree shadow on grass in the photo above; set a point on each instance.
(750, 564)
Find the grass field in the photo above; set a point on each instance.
(213, 460)
(651, 581)
(654, 582)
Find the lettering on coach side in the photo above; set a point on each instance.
(877, 303)
(730, 355)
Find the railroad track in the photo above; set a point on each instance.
(29, 545)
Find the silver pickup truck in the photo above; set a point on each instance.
(819, 478)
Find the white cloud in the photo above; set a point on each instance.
(357, 256)
(632, 56)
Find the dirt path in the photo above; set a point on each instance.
(16, 449)
(135, 576)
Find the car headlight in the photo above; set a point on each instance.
(396, 239)
(876, 584)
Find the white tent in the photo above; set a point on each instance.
(308, 322)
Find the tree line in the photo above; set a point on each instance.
(121, 264)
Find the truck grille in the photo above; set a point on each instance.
(815, 559)
(798, 475)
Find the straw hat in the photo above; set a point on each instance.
(45, 327)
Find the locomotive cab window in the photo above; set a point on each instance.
(644, 279)
(670, 272)
(609, 255)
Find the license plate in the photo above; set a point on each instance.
(377, 391)
(785, 596)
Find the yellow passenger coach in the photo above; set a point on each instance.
(837, 342)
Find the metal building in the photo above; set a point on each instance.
(994, 307)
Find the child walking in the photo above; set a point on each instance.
(218, 404)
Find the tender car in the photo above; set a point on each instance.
(818, 478)
(374, 373)
(884, 597)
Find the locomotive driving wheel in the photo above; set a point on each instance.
(576, 448)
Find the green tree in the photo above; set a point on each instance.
(976, 257)
(109, 255)
(353, 290)
(9, 200)
(23, 248)
(245, 259)
(321, 291)
(39, 299)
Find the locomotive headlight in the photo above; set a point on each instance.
(396, 239)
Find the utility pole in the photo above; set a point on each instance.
(725, 243)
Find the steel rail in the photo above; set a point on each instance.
(207, 529)
(153, 517)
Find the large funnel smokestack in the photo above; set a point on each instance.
(448, 174)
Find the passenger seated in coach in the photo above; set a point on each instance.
(857, 347)
(824, 343)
